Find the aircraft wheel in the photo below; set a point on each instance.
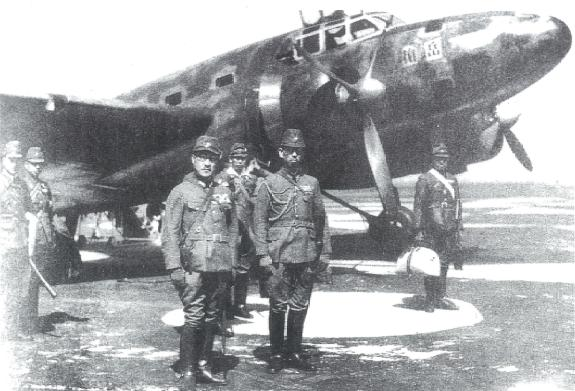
(396, 236)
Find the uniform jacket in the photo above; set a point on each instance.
(42, 207)
(436, 210)
(200, 230)
(243, 188)
(289, 218)
(14, 203)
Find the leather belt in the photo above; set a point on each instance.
(210, 238)
(292, 223)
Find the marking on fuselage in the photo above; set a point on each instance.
(433, 49)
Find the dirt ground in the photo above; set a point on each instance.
(104, 332)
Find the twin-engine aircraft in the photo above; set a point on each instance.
(371, 94)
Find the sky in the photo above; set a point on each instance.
(100, 49)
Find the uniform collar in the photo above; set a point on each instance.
(287, 174)
(230, 170)
(30, 179)
(192, 177)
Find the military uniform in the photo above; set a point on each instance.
(14, 267)
(289, 222)
(243, 185)
(198, 243)
(44, 247)
(437, 208)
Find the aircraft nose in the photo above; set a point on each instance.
(562, 36)
(543, 41)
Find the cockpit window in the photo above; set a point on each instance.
(361, 28)
(337, 33)
(335, 37)
(311, 43)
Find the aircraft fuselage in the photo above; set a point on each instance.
(432, 79)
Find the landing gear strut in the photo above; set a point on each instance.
(394, 235)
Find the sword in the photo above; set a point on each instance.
(31, 243)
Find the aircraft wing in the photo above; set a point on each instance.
(104, 152)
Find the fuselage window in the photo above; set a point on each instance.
(335, 37)
(361, 28)
(311, 43)
(225, 80)
(174, 99)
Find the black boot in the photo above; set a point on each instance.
(276, 327)
(204, 373)
(440, 291)
(240, 293)
(294, 359)
(187, 358)
(429, 284)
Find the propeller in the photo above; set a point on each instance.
(362, 92)
(514, 143)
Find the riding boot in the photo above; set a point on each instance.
(204, 373)
(440, 300)
(441, 288)
(188, 343)
(276, 328)
(429, 284)
(240, 294)
(294, 358)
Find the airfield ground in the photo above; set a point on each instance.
(515, 329)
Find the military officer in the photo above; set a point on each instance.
(289, 220)
(15, 214)
(243, 181)
(437, 208)
(42, 206)
(198, 243)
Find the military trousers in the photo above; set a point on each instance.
(15, 282)
(201, 294)
(445, 244)
(43, 259)
(290, 285)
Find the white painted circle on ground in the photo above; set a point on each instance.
(358, 314)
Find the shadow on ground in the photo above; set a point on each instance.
(47, 322)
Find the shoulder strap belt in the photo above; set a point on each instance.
(444, 181)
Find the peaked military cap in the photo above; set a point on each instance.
(209, 144)
(35, 155)
(12, 149)
(239, 149)
(293, 138)
(440, 150)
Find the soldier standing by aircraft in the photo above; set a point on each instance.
(243, 178)
(437, 209)
(15, 271)
(42, 206)
(198, 242)
(289, 220)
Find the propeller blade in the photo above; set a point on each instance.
(379, 167)
(517, 148)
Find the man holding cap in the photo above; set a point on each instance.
(437, 208)
(15, 271)
(198, 243)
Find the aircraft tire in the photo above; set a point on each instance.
(395, 236)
